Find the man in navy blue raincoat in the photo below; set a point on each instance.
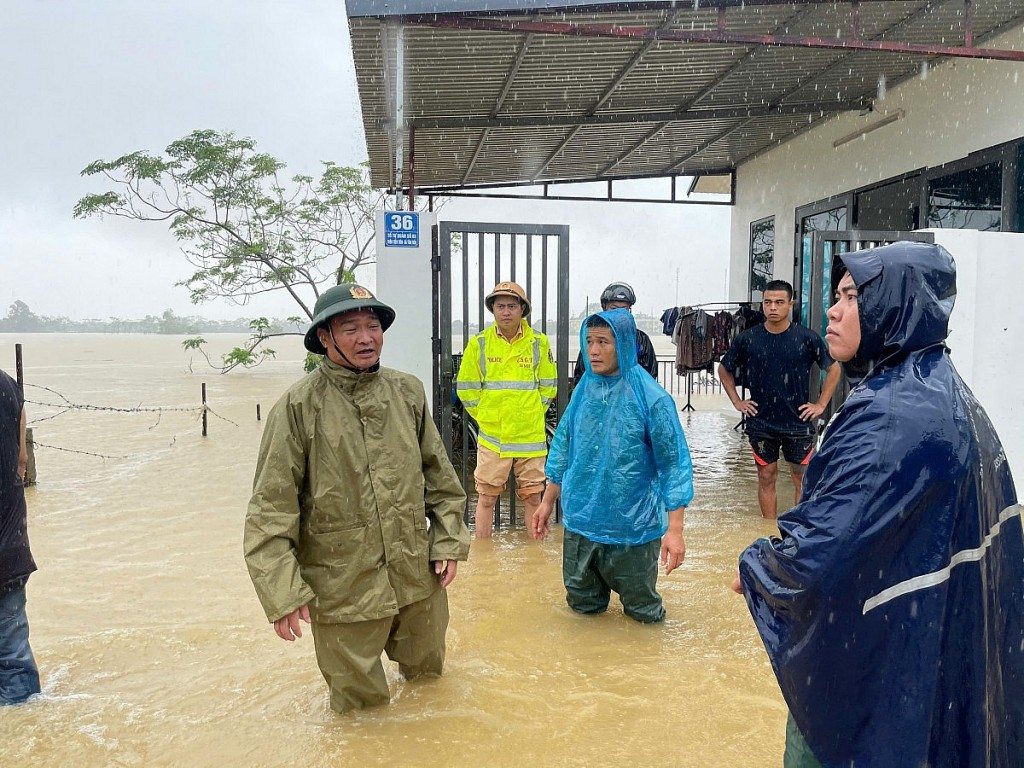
(620, 463)
(892, 608)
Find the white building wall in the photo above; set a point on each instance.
(962, 106)
(987, 327)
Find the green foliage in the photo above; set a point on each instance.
(244, 228)
(312, 362)
(246, 357)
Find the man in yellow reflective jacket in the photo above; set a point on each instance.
(506, 382)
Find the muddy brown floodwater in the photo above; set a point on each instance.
(153, 649)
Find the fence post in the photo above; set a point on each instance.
(30, 469)
(204, 409)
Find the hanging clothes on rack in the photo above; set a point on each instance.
(701, 337)
(746, 317)
(721, 333)
(668, 320)
(695, 350)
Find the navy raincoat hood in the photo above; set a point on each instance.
(900, 310)
(892, 605)
(619, 452)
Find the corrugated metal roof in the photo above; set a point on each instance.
(493, 106)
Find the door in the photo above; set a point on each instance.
(470, 258)
(826, 270)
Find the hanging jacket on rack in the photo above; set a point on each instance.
(694, 352)
(668, 320)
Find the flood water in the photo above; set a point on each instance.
(154, 651)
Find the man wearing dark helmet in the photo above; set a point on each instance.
(620, 295)
(355, 522)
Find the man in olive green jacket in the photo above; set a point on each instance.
(355, 522)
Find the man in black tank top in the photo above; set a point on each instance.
(19, 676)
(773, 361)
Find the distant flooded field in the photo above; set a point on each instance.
(154, 651)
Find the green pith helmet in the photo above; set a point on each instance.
(344, 298)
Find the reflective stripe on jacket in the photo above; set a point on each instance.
(507, 389)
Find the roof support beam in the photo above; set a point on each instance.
(626, 118)
(476, 155)
(498, 104)
(841, 61)
(511, 76)
(646, 138)
(719, 37)
(603, 99)
(679, 162)
(742, 61)
(556, 152)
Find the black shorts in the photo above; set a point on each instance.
(796, 449)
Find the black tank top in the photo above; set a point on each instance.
(15, 556)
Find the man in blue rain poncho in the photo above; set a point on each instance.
(620, 464)
(892, 606)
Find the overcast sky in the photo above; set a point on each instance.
(90, 80)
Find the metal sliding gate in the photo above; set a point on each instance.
(827, 248)
(469, 259)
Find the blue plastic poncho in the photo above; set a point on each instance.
(619, 452)
(892, 608)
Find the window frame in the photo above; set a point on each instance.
(750, 255)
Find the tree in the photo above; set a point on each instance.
(244, 229)
(21, 319)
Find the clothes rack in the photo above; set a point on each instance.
(720, 305)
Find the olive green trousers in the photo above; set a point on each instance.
(591, 571)
(798, 754)
(349, 654)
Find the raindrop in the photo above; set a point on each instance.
(881, 87)
(924, 70)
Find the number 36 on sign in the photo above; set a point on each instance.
(401, 229)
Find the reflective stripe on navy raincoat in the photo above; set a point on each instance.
(619, 452)
(892, 606)
(507, 389)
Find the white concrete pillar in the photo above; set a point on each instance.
(404, 282)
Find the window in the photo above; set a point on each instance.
(825, 221)
(1020, 190)
(762, 256)
(890, 207)
(969, 199)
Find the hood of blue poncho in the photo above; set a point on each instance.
(624, 327)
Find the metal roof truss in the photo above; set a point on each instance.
(604, 91)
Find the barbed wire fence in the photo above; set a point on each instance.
(66, 405)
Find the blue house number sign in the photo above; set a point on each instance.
(401, 229)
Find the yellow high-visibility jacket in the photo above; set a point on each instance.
(507, 389)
